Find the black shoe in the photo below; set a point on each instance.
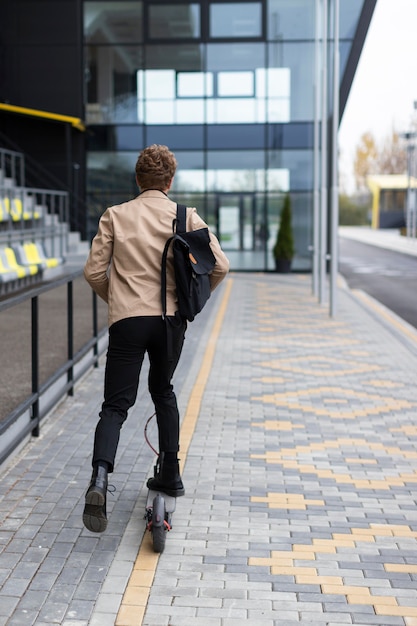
(167, 480)
(94, 515)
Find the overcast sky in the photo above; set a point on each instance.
(385, 85)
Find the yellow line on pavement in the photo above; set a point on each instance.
(136, 595)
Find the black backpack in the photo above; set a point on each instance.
(193, 262)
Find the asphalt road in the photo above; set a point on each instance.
(389, 277)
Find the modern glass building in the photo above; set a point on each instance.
(230, 87)
(241, 91)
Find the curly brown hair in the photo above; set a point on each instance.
(155, 167)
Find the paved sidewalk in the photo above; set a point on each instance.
(299, 446)
(388, 238)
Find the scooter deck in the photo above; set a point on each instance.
(170, 501)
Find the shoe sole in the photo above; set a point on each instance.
(94, 518)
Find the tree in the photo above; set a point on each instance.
(390, 157)
(284, 245)
(393, 156)
(365, 160)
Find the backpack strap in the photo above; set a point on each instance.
(181, 224)
(164, 277)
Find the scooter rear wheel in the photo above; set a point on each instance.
(158, 524)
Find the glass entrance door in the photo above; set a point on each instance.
(236, 221)
(240, 226)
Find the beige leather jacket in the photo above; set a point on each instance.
(124, 263)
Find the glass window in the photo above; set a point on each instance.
(298, 61)
(229, 170)
(156, 84)
(180, 57)
(177, 137)
(174, 21)
(299, 164)
(194, 84)
(111, 83)
(236, 19)
(235, 56)
(291, 19)
(113, 22)
(235, 84)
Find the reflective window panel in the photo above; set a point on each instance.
(113, 22)
(291, 19)
(174, 21)
(235, 20)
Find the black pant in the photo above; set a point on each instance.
(129, 339)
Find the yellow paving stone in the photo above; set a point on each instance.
(402, 611)
(407, 430)
(317, 579)
(343, 540)
(260, 561)
(405, 532)
(384, 383)
(363, 537)
(286, 501)
(372, 600)
(410, 621)
(363, 531)
(130, 616)
(147, 559)
(361, 461)
(134, 595)
(406, 568)
(334, 589)
(141, 578)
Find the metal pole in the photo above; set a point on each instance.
(323, 197)
(316, 148)
(408, 211)
(70, 336)
(35, 362)
(334, 255)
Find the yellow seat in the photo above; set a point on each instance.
(20, 269)
(6, 274)
(4, 214)
(16, 210)
(35, 255)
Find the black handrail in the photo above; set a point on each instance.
(32, 404)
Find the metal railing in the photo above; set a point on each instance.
(30, 213)
(26, 418)
(12, 166)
